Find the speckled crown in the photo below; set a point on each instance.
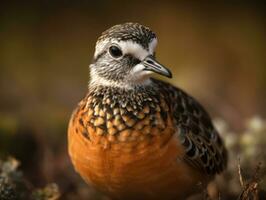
(129, 31)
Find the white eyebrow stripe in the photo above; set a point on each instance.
(128, 47)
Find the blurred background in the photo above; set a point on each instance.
(216, 52)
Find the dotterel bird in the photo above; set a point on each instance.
(135, 137)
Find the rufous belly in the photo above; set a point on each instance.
(150, 168)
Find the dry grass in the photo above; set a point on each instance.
(250, 190)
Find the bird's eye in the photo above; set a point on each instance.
(115, 51)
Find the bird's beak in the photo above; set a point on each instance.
(151, 64)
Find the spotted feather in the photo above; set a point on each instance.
(203, 145)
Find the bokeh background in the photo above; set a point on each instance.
(216, 51)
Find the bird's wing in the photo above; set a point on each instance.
(203, 146)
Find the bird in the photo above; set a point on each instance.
(137, 137)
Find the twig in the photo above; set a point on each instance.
(240, 174)
(250, 190)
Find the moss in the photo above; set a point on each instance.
(245, 149)
(49, 192)
(14, 186)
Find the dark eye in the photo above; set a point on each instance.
(115, 51)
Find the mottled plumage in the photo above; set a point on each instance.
(129, 31)
(141, 138)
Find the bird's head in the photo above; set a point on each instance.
(125, 56)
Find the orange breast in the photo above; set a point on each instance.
(147, 167)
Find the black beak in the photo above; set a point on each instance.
(152, 65)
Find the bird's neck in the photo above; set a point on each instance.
(98, 81)
(123, 95)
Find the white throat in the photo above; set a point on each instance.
(96, 80)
